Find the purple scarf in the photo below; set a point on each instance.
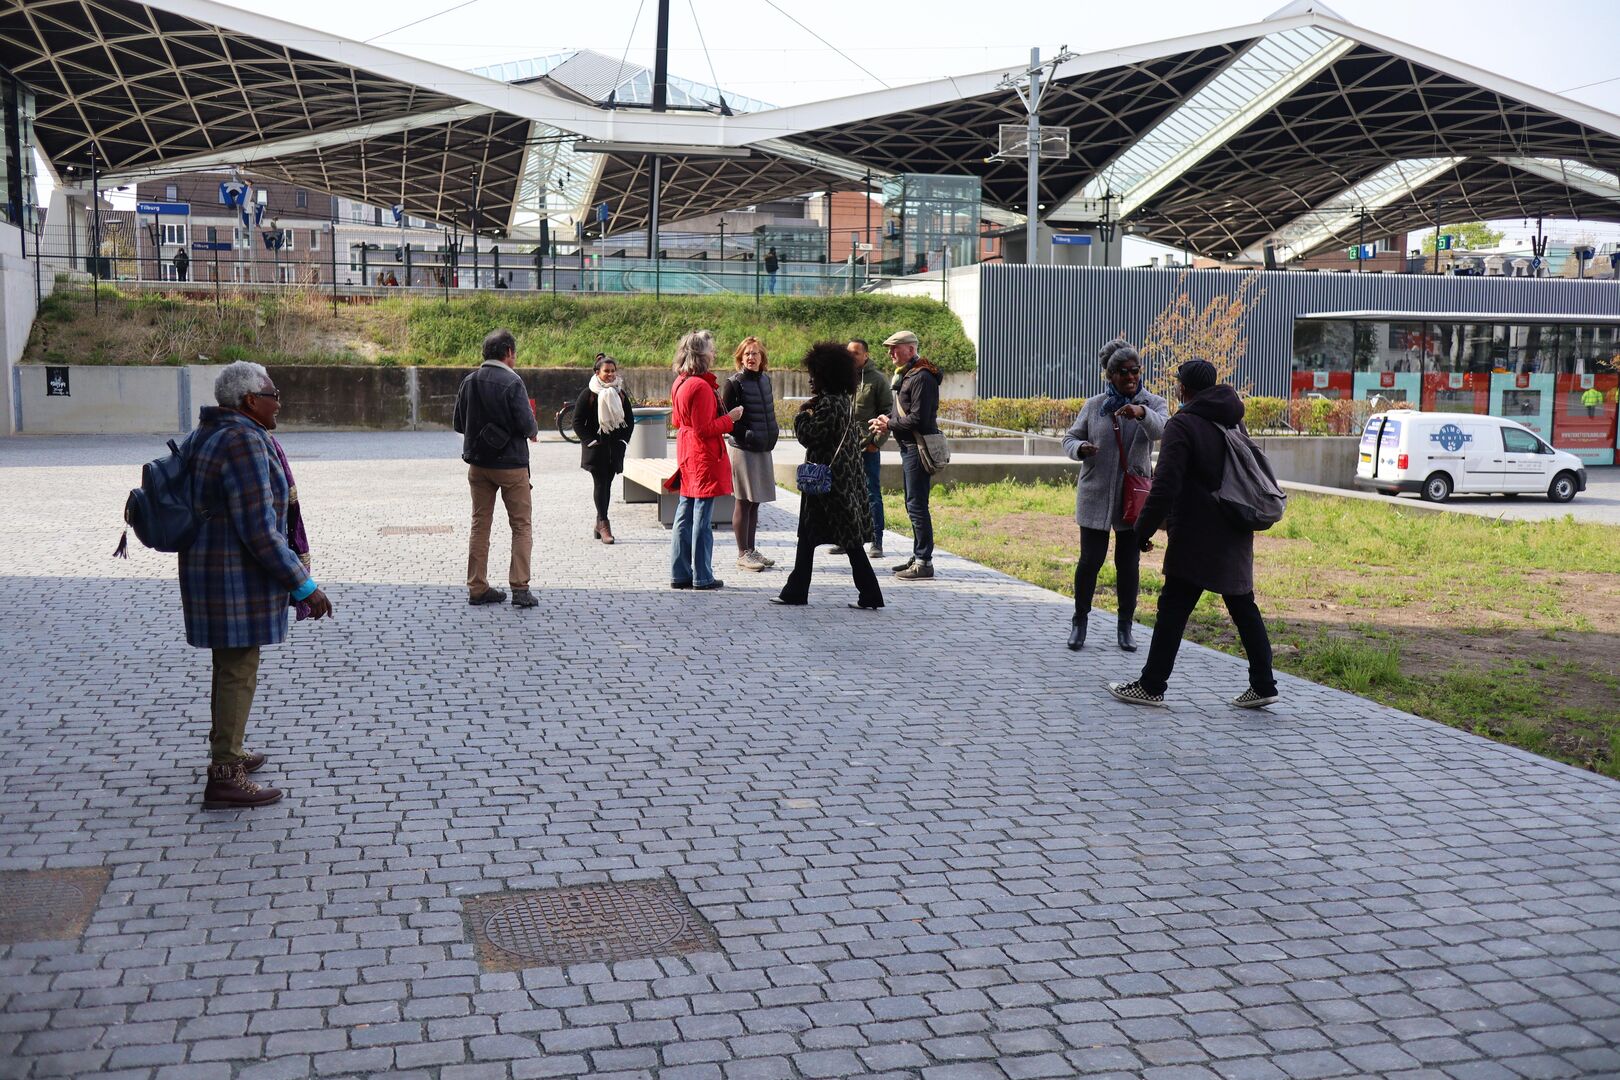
(296, 537)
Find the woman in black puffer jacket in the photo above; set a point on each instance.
(753, 474)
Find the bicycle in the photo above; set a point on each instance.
(565, 422)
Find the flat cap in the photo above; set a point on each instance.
(901, 337)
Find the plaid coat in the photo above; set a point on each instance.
(237, 577)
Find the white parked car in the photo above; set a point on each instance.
(1436, 454)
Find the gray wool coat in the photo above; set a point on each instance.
(1097, 500)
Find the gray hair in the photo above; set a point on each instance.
(695, 353)
(237, 381)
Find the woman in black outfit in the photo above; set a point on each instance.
(827, 428)
(603, 420)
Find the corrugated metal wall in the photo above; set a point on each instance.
(1040, 326)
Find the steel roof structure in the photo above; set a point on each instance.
(1295, 133)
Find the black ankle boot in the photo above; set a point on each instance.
(1127, 643)
(1077, 633)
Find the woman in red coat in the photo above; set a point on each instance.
(701, 425)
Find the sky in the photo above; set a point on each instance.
(787, 52)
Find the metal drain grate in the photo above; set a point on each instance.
(48, 905)
(415, 530)
(579, 924)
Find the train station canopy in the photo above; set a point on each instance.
(1298, 133)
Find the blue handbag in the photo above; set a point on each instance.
(814, 478)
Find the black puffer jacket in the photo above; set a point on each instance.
(758, 429)
(1204, 548)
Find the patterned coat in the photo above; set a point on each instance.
(844, 515)
(237, 577)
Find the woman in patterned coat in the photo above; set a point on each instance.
(826, 427)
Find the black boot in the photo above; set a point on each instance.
(1127, 643)
(1077, 633)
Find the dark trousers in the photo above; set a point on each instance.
(872, 460)
(1176, 603)
(1127, 562)
(602, 491)
(745, 524)
(797, 589)
(236, 679)
(918, 483)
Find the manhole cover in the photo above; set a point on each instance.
(585, 923)
(48, 905)
(415, 530)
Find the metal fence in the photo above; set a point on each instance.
(1040, 326)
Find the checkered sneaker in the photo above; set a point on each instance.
(1133, 693)
(1252, 699)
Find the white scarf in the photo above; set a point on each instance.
(609, 405)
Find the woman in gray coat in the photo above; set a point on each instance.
(1123, 415)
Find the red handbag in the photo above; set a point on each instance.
(1133, 491)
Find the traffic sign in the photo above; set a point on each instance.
(163, 208)
(1080, 239)
(1446, 241)
(210, 245)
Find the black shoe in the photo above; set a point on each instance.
(1077, 633)
(1127, 641)
(907, 565)
(680, 584)
(838, 549)
(867, 607)
(710, 587)
(488, 596)
(524, 598)
(917, 571)
(779, 602)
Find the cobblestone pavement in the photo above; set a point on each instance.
(929, 843)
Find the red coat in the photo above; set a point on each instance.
(700, 431)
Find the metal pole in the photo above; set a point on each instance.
(445, 266)
(1361, 240)
(219, 307)
(653, 207)
(1438, 205)
(333, 245)
(866, 238)
(95, 229)
(1033, 226)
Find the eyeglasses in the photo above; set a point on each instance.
(265, 393)
(1129, 371)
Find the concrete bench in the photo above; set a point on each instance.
(644, 483)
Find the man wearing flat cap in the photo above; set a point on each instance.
(915, 414)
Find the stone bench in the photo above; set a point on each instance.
(644, 483)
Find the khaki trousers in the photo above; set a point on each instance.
(515, 491)
(236, 677)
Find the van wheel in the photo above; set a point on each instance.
(1562, 488)
(1437, 488)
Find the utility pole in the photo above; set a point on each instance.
(660, 102)
(95, 229)
(1033, 104)
(1361, 240)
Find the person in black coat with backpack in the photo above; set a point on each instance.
(603, 420)
(1206, 551)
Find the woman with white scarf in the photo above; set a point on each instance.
(603, 420)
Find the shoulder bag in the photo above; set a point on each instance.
(812, 477)
(1133, 489)
(932, 450)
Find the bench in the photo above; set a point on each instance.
(644, 483)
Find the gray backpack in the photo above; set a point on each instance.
(1248, 494)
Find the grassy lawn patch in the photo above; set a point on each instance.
(1507, 629)
(298, 327)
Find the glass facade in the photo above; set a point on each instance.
(17, 155)
(1560, 379)
(926, 214)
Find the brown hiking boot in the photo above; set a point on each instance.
(604, 532)
(230, 789)
(253, 763)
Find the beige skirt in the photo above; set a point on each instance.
(753, 478)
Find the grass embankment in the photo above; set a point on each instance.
(1507, 629)
(552, 331)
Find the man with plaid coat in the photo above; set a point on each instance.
(240, 575)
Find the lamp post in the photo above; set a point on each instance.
(1439, 206)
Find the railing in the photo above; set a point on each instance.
(1026, 436)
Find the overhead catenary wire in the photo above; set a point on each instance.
(419, 22)
(692, 7)
(626, 54)
(827, 43)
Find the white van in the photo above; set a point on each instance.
(1435, 454)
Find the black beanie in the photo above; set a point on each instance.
(1197, 375)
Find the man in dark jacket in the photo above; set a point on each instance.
(494, 417)
(873, 398)
(915, 414)
(1205, 551)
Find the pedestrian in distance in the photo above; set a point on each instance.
(1113, 434)
(241, 573)
(873, 398)
(753, 474)
(496, 422)
(604, 419)
(1206, 551)
(915, 414)
(703, 471)
(771, 266)
(831, 436)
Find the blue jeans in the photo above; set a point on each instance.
(770, 282)
(873, 460)
(918, 483)
(691, 542)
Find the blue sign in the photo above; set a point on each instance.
(233, 193)
(1451, 438)
(1071, 238)
(399, 212)
(163, 208)
(210, 245)
(603, 212)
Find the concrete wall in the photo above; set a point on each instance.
(18, 305)
(102, 401)
(1326, 460)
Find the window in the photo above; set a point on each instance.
(300, 198)
(286, 239)
(242, 239)
(213, 234)
(314, 239)
(1515, 441)
(357, 212)
(377, 215)
(171, 193)
(174, 234)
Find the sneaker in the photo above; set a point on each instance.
(1252, 699)
(524, 598)
(1132, 693)
(874, 551)
(907, 565)
(488, 596)
(762, 557)
(710, 587)
(916, 571)
(745, 561)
